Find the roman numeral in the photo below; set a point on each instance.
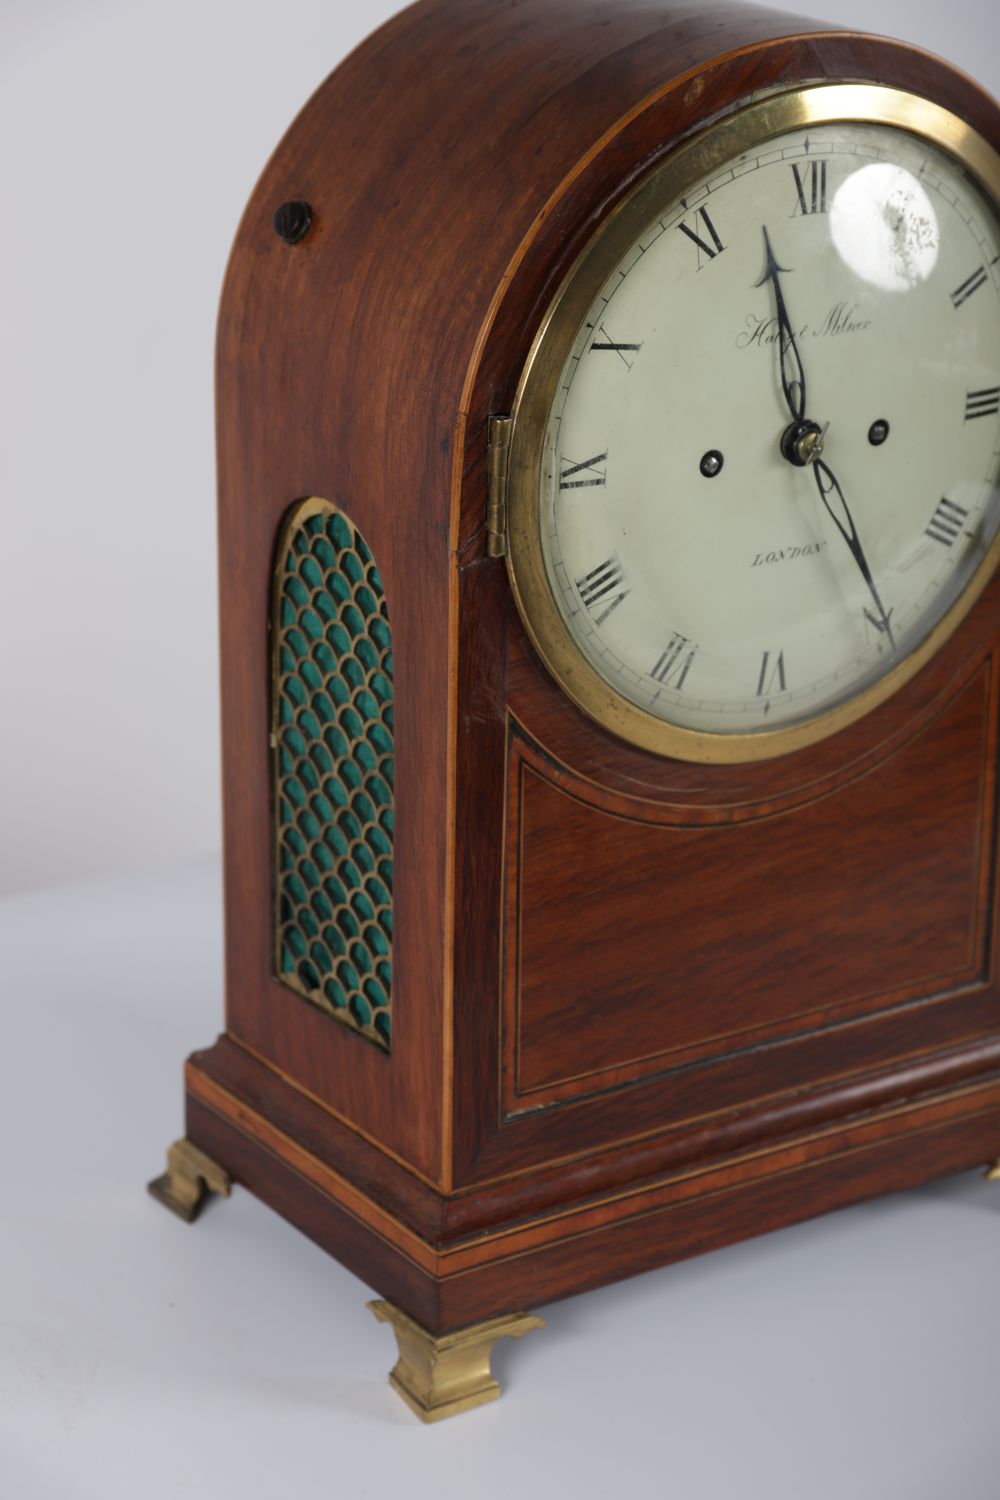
(675, 663)
(604, 342)
(598, 588)
(982, 403)
(964, 292)
(592, 468)
(811, 189)
(709, 251)
(946, 523)
(772, 670)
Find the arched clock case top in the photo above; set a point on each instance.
(640, 1005)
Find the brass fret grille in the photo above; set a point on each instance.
(332, 747)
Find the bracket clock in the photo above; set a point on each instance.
(609, 439)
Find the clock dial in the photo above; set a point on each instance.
(770, 466)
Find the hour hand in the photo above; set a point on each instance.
(793, 375)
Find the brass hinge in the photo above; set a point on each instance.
(496, 486)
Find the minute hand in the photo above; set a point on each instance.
(833, 498)
(793, 375)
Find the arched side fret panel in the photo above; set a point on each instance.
(332, 757)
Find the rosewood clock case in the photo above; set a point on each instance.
(640, 1007)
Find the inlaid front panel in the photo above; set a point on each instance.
(640, 941)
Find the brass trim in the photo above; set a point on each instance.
(719, 143)
(498, 454)
(442, 1375)
(189, 1179)
(992, 1173)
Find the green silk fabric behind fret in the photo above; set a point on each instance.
(333, 771)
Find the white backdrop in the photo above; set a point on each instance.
(133, 131)
(854, 1356)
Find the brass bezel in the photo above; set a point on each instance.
(757, 122)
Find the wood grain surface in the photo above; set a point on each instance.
(578, 1095)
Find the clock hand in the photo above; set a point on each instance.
(802, 443)
(833, 498)
(793, 375)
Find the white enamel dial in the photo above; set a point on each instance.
(845, 276)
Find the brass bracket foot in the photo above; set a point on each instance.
(188, 1180)
(993, 1173)
(442, 1376)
